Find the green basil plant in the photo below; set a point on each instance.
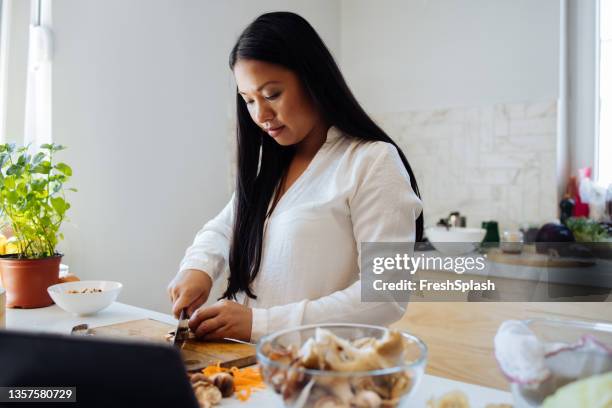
(32, 197)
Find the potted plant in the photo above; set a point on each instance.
(33, 205)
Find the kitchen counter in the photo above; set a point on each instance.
(460, 334)
(597, 274)
(515, 282)
(53, 319)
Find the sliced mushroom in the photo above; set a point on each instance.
(366, 399)
(401, 384)
(391, 348)
(294, 382)
(311, 356)
(453, 399)
(341, 355)
(199, 377)
(341, 388)
(207, 394)
(379, 385)
(277, 379)
(284, 355)
(364, 342)
(330, 401)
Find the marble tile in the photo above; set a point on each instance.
(495, 176)
(501, 124)
(540, 110)
(486, 136)
(511, 208)
(489, 162)
(512, 110)
(512, 159)
(540, 125)
(518, 143)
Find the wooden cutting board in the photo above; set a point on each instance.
(196, 354)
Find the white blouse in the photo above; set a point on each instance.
(351, 192)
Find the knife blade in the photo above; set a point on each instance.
(182, 329)
(239, 341)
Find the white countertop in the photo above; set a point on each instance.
(54, 319)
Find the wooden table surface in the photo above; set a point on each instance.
(460, 335)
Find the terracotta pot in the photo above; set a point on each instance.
(2, 308)
(26, 280)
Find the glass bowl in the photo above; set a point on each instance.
(567, 366)
(303, 387)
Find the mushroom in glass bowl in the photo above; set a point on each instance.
(341, 365)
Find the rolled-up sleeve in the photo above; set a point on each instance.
(209, 251)
(383, 208)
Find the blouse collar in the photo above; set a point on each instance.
(333, 134)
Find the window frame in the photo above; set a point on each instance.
(598, 159)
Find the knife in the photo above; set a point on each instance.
(182, 329)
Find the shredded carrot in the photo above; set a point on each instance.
(246, 380)
(243, 394)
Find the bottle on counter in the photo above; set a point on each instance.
(566, 206)
(581, 209)
(492, 234)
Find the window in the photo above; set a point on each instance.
(604, 93)
(25, 72)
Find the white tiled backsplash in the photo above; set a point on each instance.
(490, 163)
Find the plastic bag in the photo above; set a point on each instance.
(594, 195)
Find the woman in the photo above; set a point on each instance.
(328, 179)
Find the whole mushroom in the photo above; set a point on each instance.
(224, 382)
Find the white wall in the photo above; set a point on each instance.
(400, 55)
(142, 96)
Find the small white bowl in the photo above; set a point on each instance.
(82, 304)
(455, 240)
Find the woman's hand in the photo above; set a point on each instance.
(190, 289)
(223, 319)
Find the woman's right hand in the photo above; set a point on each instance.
(189, 289)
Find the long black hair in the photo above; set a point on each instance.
(288, 40)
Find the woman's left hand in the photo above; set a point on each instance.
(223, 319)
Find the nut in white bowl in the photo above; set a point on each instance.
(85, 297)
